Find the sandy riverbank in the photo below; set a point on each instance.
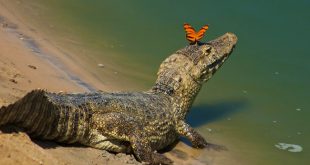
(28, 61)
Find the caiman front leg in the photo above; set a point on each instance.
(187, 131)
(196, 139)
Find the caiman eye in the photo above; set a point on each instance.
(208, 50)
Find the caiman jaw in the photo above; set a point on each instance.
(215, 53)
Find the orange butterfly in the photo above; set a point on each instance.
(192, 36)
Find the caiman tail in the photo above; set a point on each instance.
(41, 117)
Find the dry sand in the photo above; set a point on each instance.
(28, 62)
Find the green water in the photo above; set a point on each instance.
(259, 98)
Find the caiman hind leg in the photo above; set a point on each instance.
(143, 151)
(124, 128)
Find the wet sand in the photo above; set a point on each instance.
(27, 62)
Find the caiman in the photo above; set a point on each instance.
(131, 122)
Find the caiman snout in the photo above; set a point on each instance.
(214, 53)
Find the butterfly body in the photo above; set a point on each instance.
(192, 36)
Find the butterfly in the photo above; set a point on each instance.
(192, 36)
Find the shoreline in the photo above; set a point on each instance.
(28, 61)
(33, 46)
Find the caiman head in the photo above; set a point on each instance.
(206, 59)
(183, 73)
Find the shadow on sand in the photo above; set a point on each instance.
(46, 144)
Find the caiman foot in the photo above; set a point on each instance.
(161, 159)
(200, 142)
(144, 153)
(153, 158)
(196, 139)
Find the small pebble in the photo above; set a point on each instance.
(103, 155)
(276, 73)
(16, 75)
(298, 109)
(5, 25)
(100, 65)
(130, 161)
(13, 81)
(275, 121)
(119, 155)
(32, 67)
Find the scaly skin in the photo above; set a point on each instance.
(132, 122)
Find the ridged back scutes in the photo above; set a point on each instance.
(193, 52)
(18, 111)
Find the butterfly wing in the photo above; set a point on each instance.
(201, 32)
(191, 35)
